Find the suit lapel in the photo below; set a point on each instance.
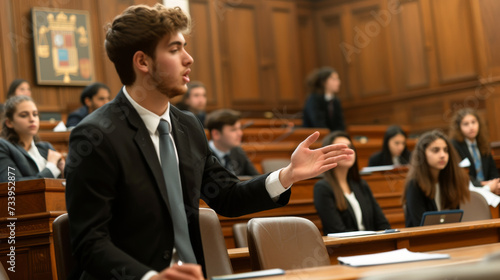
(143, 142)
(182, 145)
(30, 160)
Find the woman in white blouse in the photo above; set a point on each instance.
(22, 155)
(343, 200)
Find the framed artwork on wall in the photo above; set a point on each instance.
(63, 48)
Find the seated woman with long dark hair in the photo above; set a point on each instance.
(22, 155)
(343, 200)
(394, 150)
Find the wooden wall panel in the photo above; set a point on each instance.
(284, 23)
(372, 62)
(307, 51)
(410, 47)
(454, 40)
(487, 22)
(200, 46)
(241, 54)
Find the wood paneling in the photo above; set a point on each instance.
(454, 40)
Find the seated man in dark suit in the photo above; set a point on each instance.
(92, 98)
(225, 133)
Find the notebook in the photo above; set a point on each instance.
(441, 217)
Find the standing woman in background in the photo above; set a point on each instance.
(394, 150)
(323, 109)
(19, 87)
(343, 200)
(470, 138)
(20, 150)
(435, 181)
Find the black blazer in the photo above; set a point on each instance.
(416, 204)
(334, 220)
(315, 113)
(378, 160)
(77, 116)
(116, 194)
(490, 170)
(241, 164)
(25, 168)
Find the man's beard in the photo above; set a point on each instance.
(161, 83)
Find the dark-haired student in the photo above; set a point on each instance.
(394, 150)
(22, 155)
(323, 108)
(135, 180)
(93, 97)
(343, 200)
(224, 126)
(470, 138)
(434, 181)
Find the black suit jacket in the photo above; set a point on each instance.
(77, 116)
(16, 157)
(315, 113)
(490, 170)
(416, 204)
(241, 164)
(116, 194)
(334, 220)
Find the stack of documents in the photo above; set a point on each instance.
(397, 256)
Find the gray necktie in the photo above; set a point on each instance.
(174, 192)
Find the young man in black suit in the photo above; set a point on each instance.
(225, 131)
(119, 210)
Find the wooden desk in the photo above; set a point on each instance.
(421, 239)
(458, 256)
(38, 203)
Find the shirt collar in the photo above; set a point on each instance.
(150, 119)
(216, 151)
(470, 142)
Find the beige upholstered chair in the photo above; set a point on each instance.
(240, 235)
(475, 209)
(285, 242)
(214, 247)
(3, 273)
(65, 262)
(273, 164)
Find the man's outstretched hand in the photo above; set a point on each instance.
(306, 163)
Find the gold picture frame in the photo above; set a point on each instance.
(63, 47)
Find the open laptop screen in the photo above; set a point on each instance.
(441, 217)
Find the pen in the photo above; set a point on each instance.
(391, 230)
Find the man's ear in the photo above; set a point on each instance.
(216, 135)
(87, 101)
(141, 61)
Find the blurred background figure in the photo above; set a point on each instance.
(323, 107)
(195, 100)
(19, 87)
(394, 150)
(470, 138)
(343, 200)
(93, 97)
(225, 131)
(21, 152)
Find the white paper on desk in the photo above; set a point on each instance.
(253, 274)
(492, 199)
(60, 127)
(396, 256)
(352, 233)
(370, 169)
(464, 163)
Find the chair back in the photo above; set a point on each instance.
(240, 235)
(65, 262)
(286, 243)
(3, 273)
(273, 164)
(217, 260)
(476, 208)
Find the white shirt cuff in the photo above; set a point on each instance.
(149, 274)
(273, 185)
(53, 168)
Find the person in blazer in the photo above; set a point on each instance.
(93, 97)
(22, 155)
(116, 193)
(323, 108)
(394, 150)
(225, 131)
(468, 129)
(434, 181)
(343, 200)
